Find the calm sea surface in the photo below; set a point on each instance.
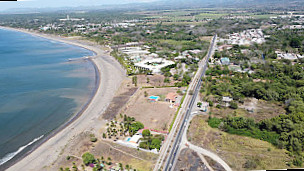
(39, 89)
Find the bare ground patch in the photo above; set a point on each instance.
(153, 81)
(154, 115)
(189, 160)
(261, 110)
(118, 102)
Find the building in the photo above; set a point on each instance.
(171, 97)
(289, 56)
(226, 101)
(155, 65)
(225, 61)
(246, 37)
(134, 51)
(135, 139)
(204, 106)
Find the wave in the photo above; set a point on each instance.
(9, 156)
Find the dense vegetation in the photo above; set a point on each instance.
(151, 142)
(129, 126)
(271, 81)
(286, 40)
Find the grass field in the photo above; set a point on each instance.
(191, 15)
(174, 42)
(202, 16)
(241, 153)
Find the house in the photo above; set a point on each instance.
(153, 98)
(171, 97)
(226, 101)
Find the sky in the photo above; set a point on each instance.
(61, 3)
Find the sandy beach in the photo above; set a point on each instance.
(111, 75)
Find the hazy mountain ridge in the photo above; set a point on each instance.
(176, 4)
(233, 3)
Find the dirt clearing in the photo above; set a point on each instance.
(154, 115)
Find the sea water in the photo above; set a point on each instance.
(40, 89)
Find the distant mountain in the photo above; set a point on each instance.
(234, 3)
(174, 4)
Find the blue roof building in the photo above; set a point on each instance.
(225, 61)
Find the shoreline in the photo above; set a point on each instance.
(97, 53)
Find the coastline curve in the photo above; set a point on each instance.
(61, 134)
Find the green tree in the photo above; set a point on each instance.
(135, 127)
(175, 76)
(156, 143)
(145, 94)
(295, 43)
(146, 133)
(88, 158)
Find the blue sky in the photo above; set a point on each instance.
(61, 3)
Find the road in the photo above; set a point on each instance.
(172, 146)
(173, 154)
(200, 150)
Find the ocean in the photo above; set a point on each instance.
(41, 88)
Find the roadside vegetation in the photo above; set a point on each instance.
(273, 80)
(240, 152)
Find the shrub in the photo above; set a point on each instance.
(144, 145)
(214, 122)
(233, 105)
(93, 139)
(145, 94)
(199, 104)
(250, 164)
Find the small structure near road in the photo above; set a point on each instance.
(204, 106)
(171, 97)
(226, 101)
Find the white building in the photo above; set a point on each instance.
(155, 65)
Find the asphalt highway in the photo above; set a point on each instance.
(177, 142)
